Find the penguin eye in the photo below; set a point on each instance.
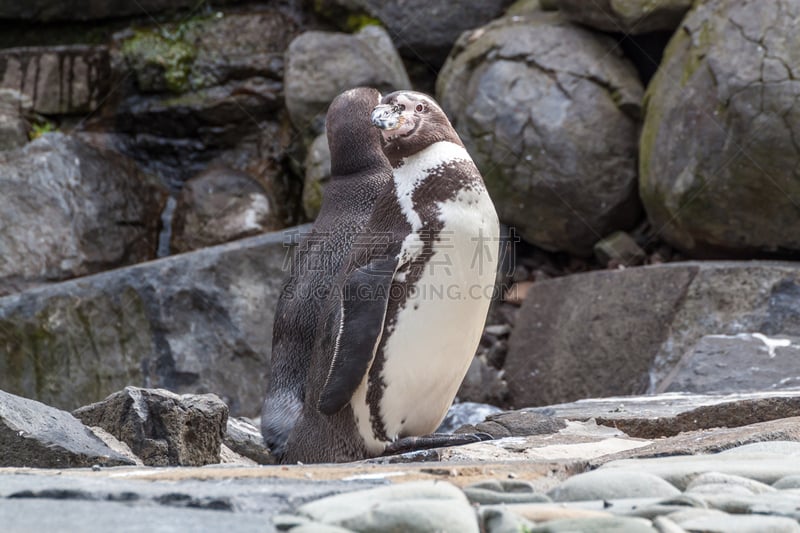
(420, 108)
(399, 107)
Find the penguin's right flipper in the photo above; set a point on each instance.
(364, 300)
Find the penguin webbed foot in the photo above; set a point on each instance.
(434, 440)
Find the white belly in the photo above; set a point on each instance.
(438, 331)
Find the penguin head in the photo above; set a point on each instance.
(410, 121)
(353, 142)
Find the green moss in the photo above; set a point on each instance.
(349, 21)
(160, 61)
(40, 128)
(358, 21)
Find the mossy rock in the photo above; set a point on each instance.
(160, 63)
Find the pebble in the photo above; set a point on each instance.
(503, 491)
(609, 484)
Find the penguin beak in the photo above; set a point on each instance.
(386, 117)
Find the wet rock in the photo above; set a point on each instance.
(220, 205)
(503, 491)
(629, 336)
(193, 323)
(320, 65)
(612, 484)
(464, 413)
(619, 249)
(627, 16)
(58, 80)
(14, 126)
(423, 30)
(162, 428)
(318, 172)
(731, 65)
(510, 89)
(76, 210)
(35, 435)
(730, 363)
(245, 439)
(417, 506)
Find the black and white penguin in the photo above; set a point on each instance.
(359, 171)
(409, 308)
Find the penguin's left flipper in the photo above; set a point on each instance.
(364, 300)
(434, 440)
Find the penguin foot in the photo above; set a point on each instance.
(434, 440)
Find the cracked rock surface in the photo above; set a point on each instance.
(721, 136)
(627, 16)
(551, 125)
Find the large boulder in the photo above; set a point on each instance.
(39, 436)
(72, 210)
(320, 65)
(422, 29)
(162, 428)
(64, 79)
(626, 16)
(193, 323)
(549, 112)
(217, 206)
(719, 147)
(14, 125)
(620, 332)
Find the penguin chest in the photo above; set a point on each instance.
(430, 342)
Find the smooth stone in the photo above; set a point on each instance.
(421, 506)
(502, 520)
(503, 491)
(285, 522)
(788, 482)
(599, 485)
(543, 512)
(665, 525)
(783, 447)
(718, 522)
(716, 478)
(720, 488)
(316, 527)
(776, 503)
(614, 524)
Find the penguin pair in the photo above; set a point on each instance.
(380, 356)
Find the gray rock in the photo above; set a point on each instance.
(503, 491)
(665, 525)
(245, 439)
(423, 30)
(716, 478)
(619, 248)
(627, 16)
(220, 205)
(14, 126)
(510, 89)
(193, 323)
(320, 65)
(596, 525)
(464, 413)
(500, 520)
(611, 484)
(716, 522)
(76, 210)
(46, 11)
(318, 172)
(115, 444)
(35, 435)
(745, 361)
(787, 482)
(316, 527)
(730, 65)
(520, 424)
(483, 384)
(413, 507)
(628, 337)
(58, 79)
(162, 428)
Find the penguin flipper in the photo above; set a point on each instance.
(364, 301)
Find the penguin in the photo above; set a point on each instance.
(406, 315)
(359, 171)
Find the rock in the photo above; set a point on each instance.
(612, 484)
(162, 428)
(630, 335)
(463, 413)
(596, 525)
(619, 248)
(627, 16)
(483, 384)
(217, 206)
(731, 65)
(245, 439)
(787, 482)
(35, 435)
(46, 11)
(424, 30)
(741, 362)
(76, 210)
(318, 172)
(14, 126)
(193, 323)
(520, 423)
(510, 89)
(715, 479)
(320, 65)
(717, 522)
(230, 457)
(500, 520)
(495, 492)
(115, 444)
(59, 80)
(414, 507)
